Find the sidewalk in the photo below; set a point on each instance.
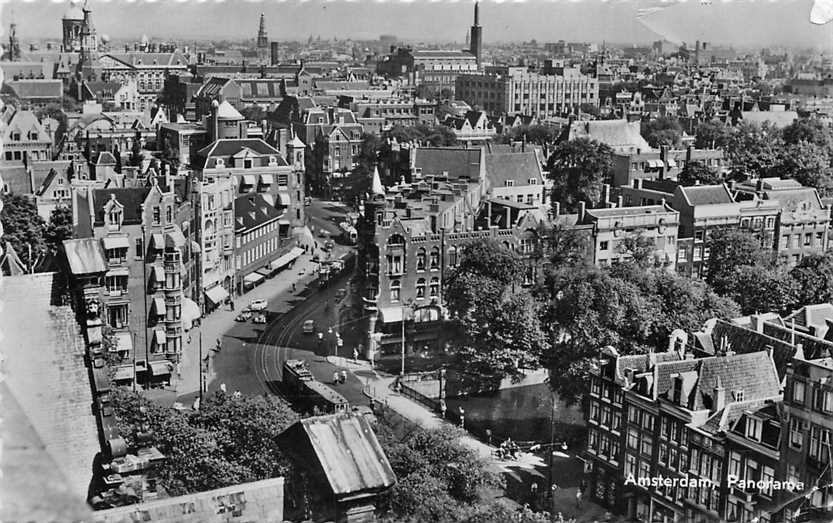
(216, 324)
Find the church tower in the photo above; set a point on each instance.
(476, 39)
(262, 41)
(14, 45)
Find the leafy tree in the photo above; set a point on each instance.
(713, 134)
(811, 130)
(136, 150)
(58, 229)
(497, 511)
(590, 109)
(696, 171)
(534, 134)
(566, 247)
(579, 169)
(763, 289)
(814, 279)
(730, 249)
(230, 440)
(438, 478)
(23, 228)
(254, 113)
(638, 247)
(665, 130)
(753, 150)
(809, 164)
(55, 112)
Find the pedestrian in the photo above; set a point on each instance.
(534, 491)
(232, 305)
(355, 355)
(582, 486)
(293, 287)
(578, 498)
(462, 417)
(443, 408)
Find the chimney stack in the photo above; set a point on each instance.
(582, 209)
(619, 201)
(719, 396)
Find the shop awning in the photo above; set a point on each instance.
(284, 221)
(195, 247)
(190, 313)
(267, 179)
(390, 314)
(160, 368)
(118, 271)
(124, 372)
(116, 242)
(672, 162)
(159, 337)
(157, 241)
(158, 274)
(216, 294)
(264, 272)
(125, 341)
(655, 163)
(270, 199)
(253, 278)
(286, 258)
(159, 305)
(249, 179)
(175, 239)
(284, 198)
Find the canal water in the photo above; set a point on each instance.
(522, 413)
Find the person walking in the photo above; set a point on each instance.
(355, 355)
(443, 408)
(578, 498)
(462, 417)
(293, 287)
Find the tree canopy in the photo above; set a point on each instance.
(665, 130)
(23, 228)
(579, 169)
(698, 172)
(58, 229)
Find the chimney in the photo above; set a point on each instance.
(605, 194)
(619, 201)
(719, 396)
(662, 202)
(760, 185)
(582, 208)
(688, 153)
(557, 209)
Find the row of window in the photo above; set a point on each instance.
(795, 241)
(433, 289)
(606, 391)
(33, 155)
(603, 445)
(605, 416)
(260, 251)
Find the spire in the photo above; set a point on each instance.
(477, 14)
(262, 39)
(376, 187)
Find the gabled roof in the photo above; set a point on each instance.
(346, 450)
(228, 147)
(36, 89)
(617, 134)
(811, 315)
(226, 111)
(251, 210)
(131, 198)
(725, 419)
(520, 167)
(457, 162)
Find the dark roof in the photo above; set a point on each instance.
(753, 373)
(347, 451)
(251, 210)
(142, 59)
(457, 162)
(263, 88)
(520, 167)
(35, 89)
(707, 194)
(724, 420)
(85, 256)
(132, 198)
(17, 179)
(229, 147)
(213, 86)
(105, 158)
(103, 89)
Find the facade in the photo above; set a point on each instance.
(259, 233)
(803, 222)
(672, 415)
(180, 142)
(517, 177)
(215, 216)
(515, 90)
(148, 70)
(25, 139)
(474, 126)
(55, 191)
(662, 164)
(142, 296)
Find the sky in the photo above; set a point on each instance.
(738, 22)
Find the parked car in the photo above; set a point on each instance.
(309, 326)
(258, 305)
(259, 318)
(243, 316)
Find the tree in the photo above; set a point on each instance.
(55, 112)
(230, 440)
(438, 478)
(696, 171)
(810, 130)
(814, 279)
(730, 249)
(763, 289)
(713, 134)
(254, 113)
(565, 246)
(665, 130)
(136, 150)
(58, 229)
(809, 164)
(579, 169)
(23, 228)
(591, 109)
(638, 247)
(753, 150)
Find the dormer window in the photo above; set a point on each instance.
(247, 163)
(510, 183)
(753, 428)
(533, 181)
(738, 395)
(114, 217)
(220, 162)
(157, 215)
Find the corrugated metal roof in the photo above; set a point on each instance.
(85, 256)
(349, 453)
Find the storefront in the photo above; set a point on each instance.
(215, 296)
(252, 280)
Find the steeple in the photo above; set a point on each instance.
(376, 187)
(262, 39)
(476, 39)
(477, 14)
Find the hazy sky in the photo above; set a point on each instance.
(741, 22)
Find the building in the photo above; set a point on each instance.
(622, 136)
(180, 142)
(148, 70)
(515, 90)
(142, 296)
(662, 164)
(472, 127)
(673, 415)
(25, 139)
(55, 190)
(259, 233)
(215, 215)
(517, 177)
(803, 222)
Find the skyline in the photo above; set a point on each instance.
(782, 23)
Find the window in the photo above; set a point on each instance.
(630, 465)
(157, 215)
(770, 222)
(594, 411)
(682, 255)
(394, 290)
(420, 266)
(767, 476)
(808, 239)
(510, 183)
(603, 246)
(420, 288)
(634, 415)
(738, 395)
(434, 289)
(435, 258)
(698, 236)
(753, 428)
(798, 391)
(114, 217)
(815, 441)
(169, 215)
(633, 439)
(647, 446)
(648, 421)
(734, 464)
(595, 387)
(796, 434)
(452, 257)
(827, 400)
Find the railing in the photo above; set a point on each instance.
(408, 392)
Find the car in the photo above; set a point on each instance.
(309, 327)
(243, 316)
(258, 305)
(259, 318)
